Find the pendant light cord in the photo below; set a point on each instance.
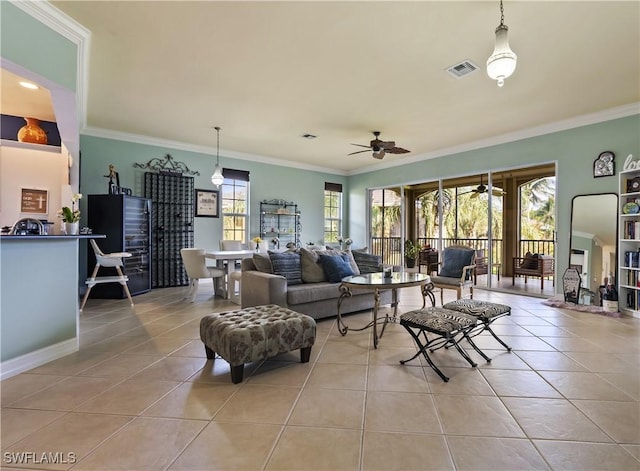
(217, 128)
(501, 14)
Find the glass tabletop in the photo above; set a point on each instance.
(396, 280)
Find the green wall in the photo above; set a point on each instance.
(29, 43)
(304, 187)
(574, 151)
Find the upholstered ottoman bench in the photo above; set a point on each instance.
(255, 333)
(485, 312)
(446, 328)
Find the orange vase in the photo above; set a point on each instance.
(32, 132)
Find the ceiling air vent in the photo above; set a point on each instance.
(462, 69)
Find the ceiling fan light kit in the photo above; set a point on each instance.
(217, 178)
(502, 63)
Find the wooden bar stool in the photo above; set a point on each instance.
(110, 260)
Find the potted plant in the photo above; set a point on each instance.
(411, 252)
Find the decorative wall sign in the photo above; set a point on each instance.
(604, 165)
(571, 285)
(207, 203)
(630, 164)
(34, 201)
(167, 166)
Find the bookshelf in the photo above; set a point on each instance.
(629, 243)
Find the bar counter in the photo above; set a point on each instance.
(38, 299)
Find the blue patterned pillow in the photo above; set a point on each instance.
(287, 264)
(454, 260)
(336, 267)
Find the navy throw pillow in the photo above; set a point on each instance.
(336, 267)
(454, 260)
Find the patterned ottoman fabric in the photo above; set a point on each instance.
(439, 320)
(479, 308)
(255, 333)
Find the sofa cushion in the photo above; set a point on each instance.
(287, 264)
(262, 262)
(367, 262)
(454, 260)
(336, 267)
(312, 271)
(308, 293)
(530, 261)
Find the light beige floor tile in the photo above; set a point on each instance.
(344, 350)
(400, 412)
(137, 446)
(634, 450)
(581, 456)
(25, 384)
(519, 383)
(280, 373)
(602, 363)
(122, 366)
(158, 346)
(630, 384)
(171, 369)
(481, 416)
(495, 454)
(551, 361)
(402, 378)
(248, 405)
(192, 401)
(572, 344)
(73, 435)
(502, 359)
(390, 355)
(554, 419)
(73, 363)
(128, 398)
(577, 385)
(547, 331)
(317, 449)
(335, 408)
(116, 344)
(621, 420)
(467, 381)
(66, 394)
(404, 451)
(337, 376)
(517, 343)
(230, 446)
(219, 371)
(195, 349)
(15, 424)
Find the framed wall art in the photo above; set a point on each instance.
(207, 203)
(604, 165)
(34, 201)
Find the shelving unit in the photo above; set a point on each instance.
(629, 243)
(172, 213)
(281, 219)
(126, 221)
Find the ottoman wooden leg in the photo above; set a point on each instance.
(210, 353)
(237, 372)
(305, 354)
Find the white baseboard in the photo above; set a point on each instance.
(31, 360)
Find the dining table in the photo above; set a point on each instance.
(230, 257)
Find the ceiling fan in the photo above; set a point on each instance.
(380, 148)
(481, 189)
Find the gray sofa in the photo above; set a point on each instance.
(316, 299)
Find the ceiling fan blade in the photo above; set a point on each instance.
(379, 154)
(398, 150)
(498, 192)
(359, 151)
(475, 194)
(388, 144)
(360, 145)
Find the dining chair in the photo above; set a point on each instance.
(196, 268)
(230, 245)
(107, 260)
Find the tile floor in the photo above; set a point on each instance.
(140, 394)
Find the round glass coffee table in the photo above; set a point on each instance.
(379, 282)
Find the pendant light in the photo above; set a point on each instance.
(502, 62)
(217, 179)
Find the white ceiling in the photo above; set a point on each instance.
(268, 72)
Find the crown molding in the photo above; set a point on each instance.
(67, 27)
(549, 128)
(208, 150)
